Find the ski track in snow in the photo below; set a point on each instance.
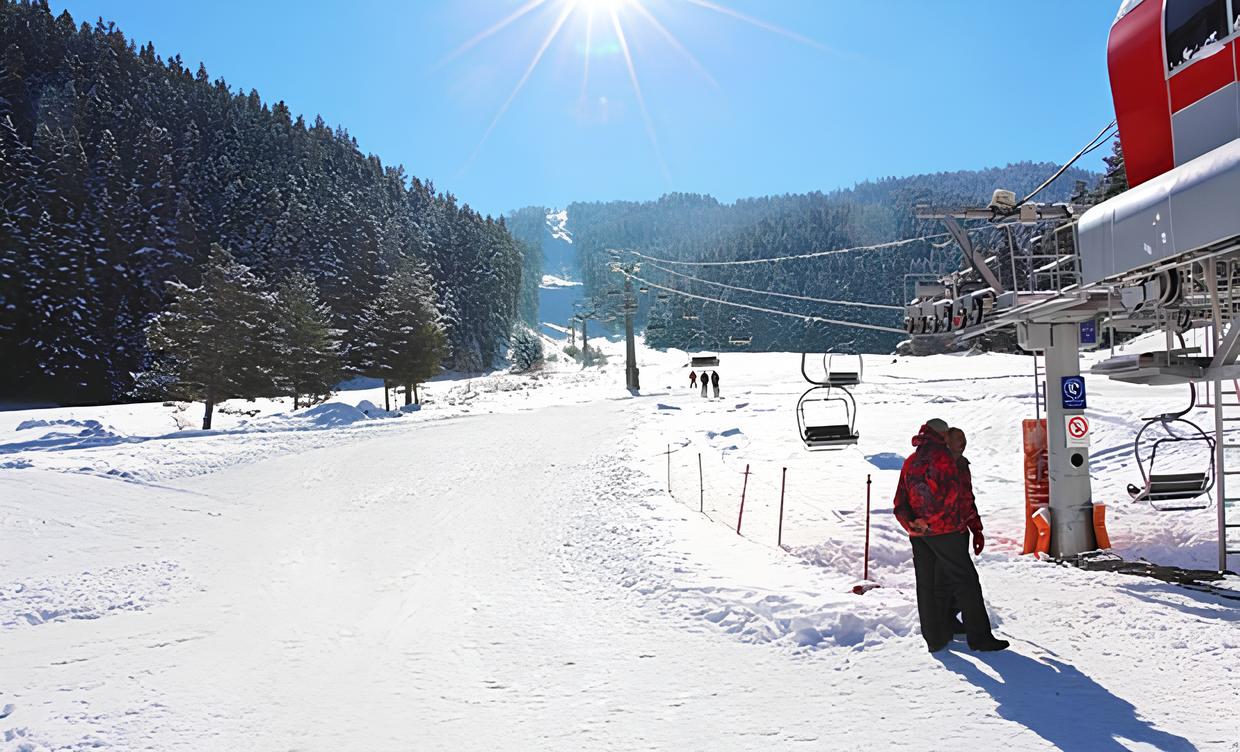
(518, 577)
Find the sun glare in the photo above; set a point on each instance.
(601, 14)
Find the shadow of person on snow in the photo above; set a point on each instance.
(1059, 703)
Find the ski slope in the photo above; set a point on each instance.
(505, 568)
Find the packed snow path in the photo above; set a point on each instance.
(511, 581)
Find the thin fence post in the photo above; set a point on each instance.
(669, 469)
(865, 574)
(701, 488)
(783, 483)
(744, 487)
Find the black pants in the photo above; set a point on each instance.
(945, 572)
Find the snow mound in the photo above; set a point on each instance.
(371, 410)
(64, 434)
(331, 414)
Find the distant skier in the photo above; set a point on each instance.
(705, 382)
(932, 507)
(693, 379)
(714, 382)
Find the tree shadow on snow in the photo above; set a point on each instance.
(1060, 704)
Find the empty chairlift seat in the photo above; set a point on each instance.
(704, 361)
(1179, 491)
(827, 411)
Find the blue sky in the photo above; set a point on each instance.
(891, 88)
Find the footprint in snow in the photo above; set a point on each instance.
(7, 710)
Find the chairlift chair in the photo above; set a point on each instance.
(830, 389)
(1171, 492)
(740, 341)
(704, 361)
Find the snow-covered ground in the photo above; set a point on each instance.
(550, 282)
(505, 568)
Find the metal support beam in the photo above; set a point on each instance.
(1072, 508)
(975, 259)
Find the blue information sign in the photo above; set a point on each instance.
(1089, 332)
(1073, 390)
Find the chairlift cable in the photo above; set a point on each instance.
(817, 254)
(760, 309)
(779, 294)
(1093, 144)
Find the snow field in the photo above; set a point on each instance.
(505, 569)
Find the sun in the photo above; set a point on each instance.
(613, 13)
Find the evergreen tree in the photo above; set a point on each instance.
(141, 164)
(1115, 181)
(219, 336)
(401, 339)
(527, 350)
(308, 362)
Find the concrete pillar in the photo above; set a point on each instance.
(1072, 509)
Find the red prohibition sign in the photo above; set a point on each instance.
(1078, 427)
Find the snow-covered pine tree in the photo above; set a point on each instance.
(400, 338)
(220, 335)
(308, 362)
(527, 350)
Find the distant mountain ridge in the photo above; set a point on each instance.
(686, 226)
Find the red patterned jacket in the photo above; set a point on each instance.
(930, 488)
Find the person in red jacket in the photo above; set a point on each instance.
(957, 442)
(692, 379)
(932, 505)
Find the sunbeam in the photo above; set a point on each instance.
(759, 23)
(641, 99)
(674, 42)
(613, 8)
(585, 79)
(538, 56)
(516, 14)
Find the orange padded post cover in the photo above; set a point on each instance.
(1042, 522)
(1100, 526)
(1037, 481)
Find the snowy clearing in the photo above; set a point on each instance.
(505, 569)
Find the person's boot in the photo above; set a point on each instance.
(936, 647)
(989, 645)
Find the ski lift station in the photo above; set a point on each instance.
(1162, 256)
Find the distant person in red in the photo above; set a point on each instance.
(693, 379)
(932, 505)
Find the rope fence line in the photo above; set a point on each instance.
(762, 503)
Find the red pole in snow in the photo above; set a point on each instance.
(743, 489)
(865, 586)
(866, 567)
(783, 483)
